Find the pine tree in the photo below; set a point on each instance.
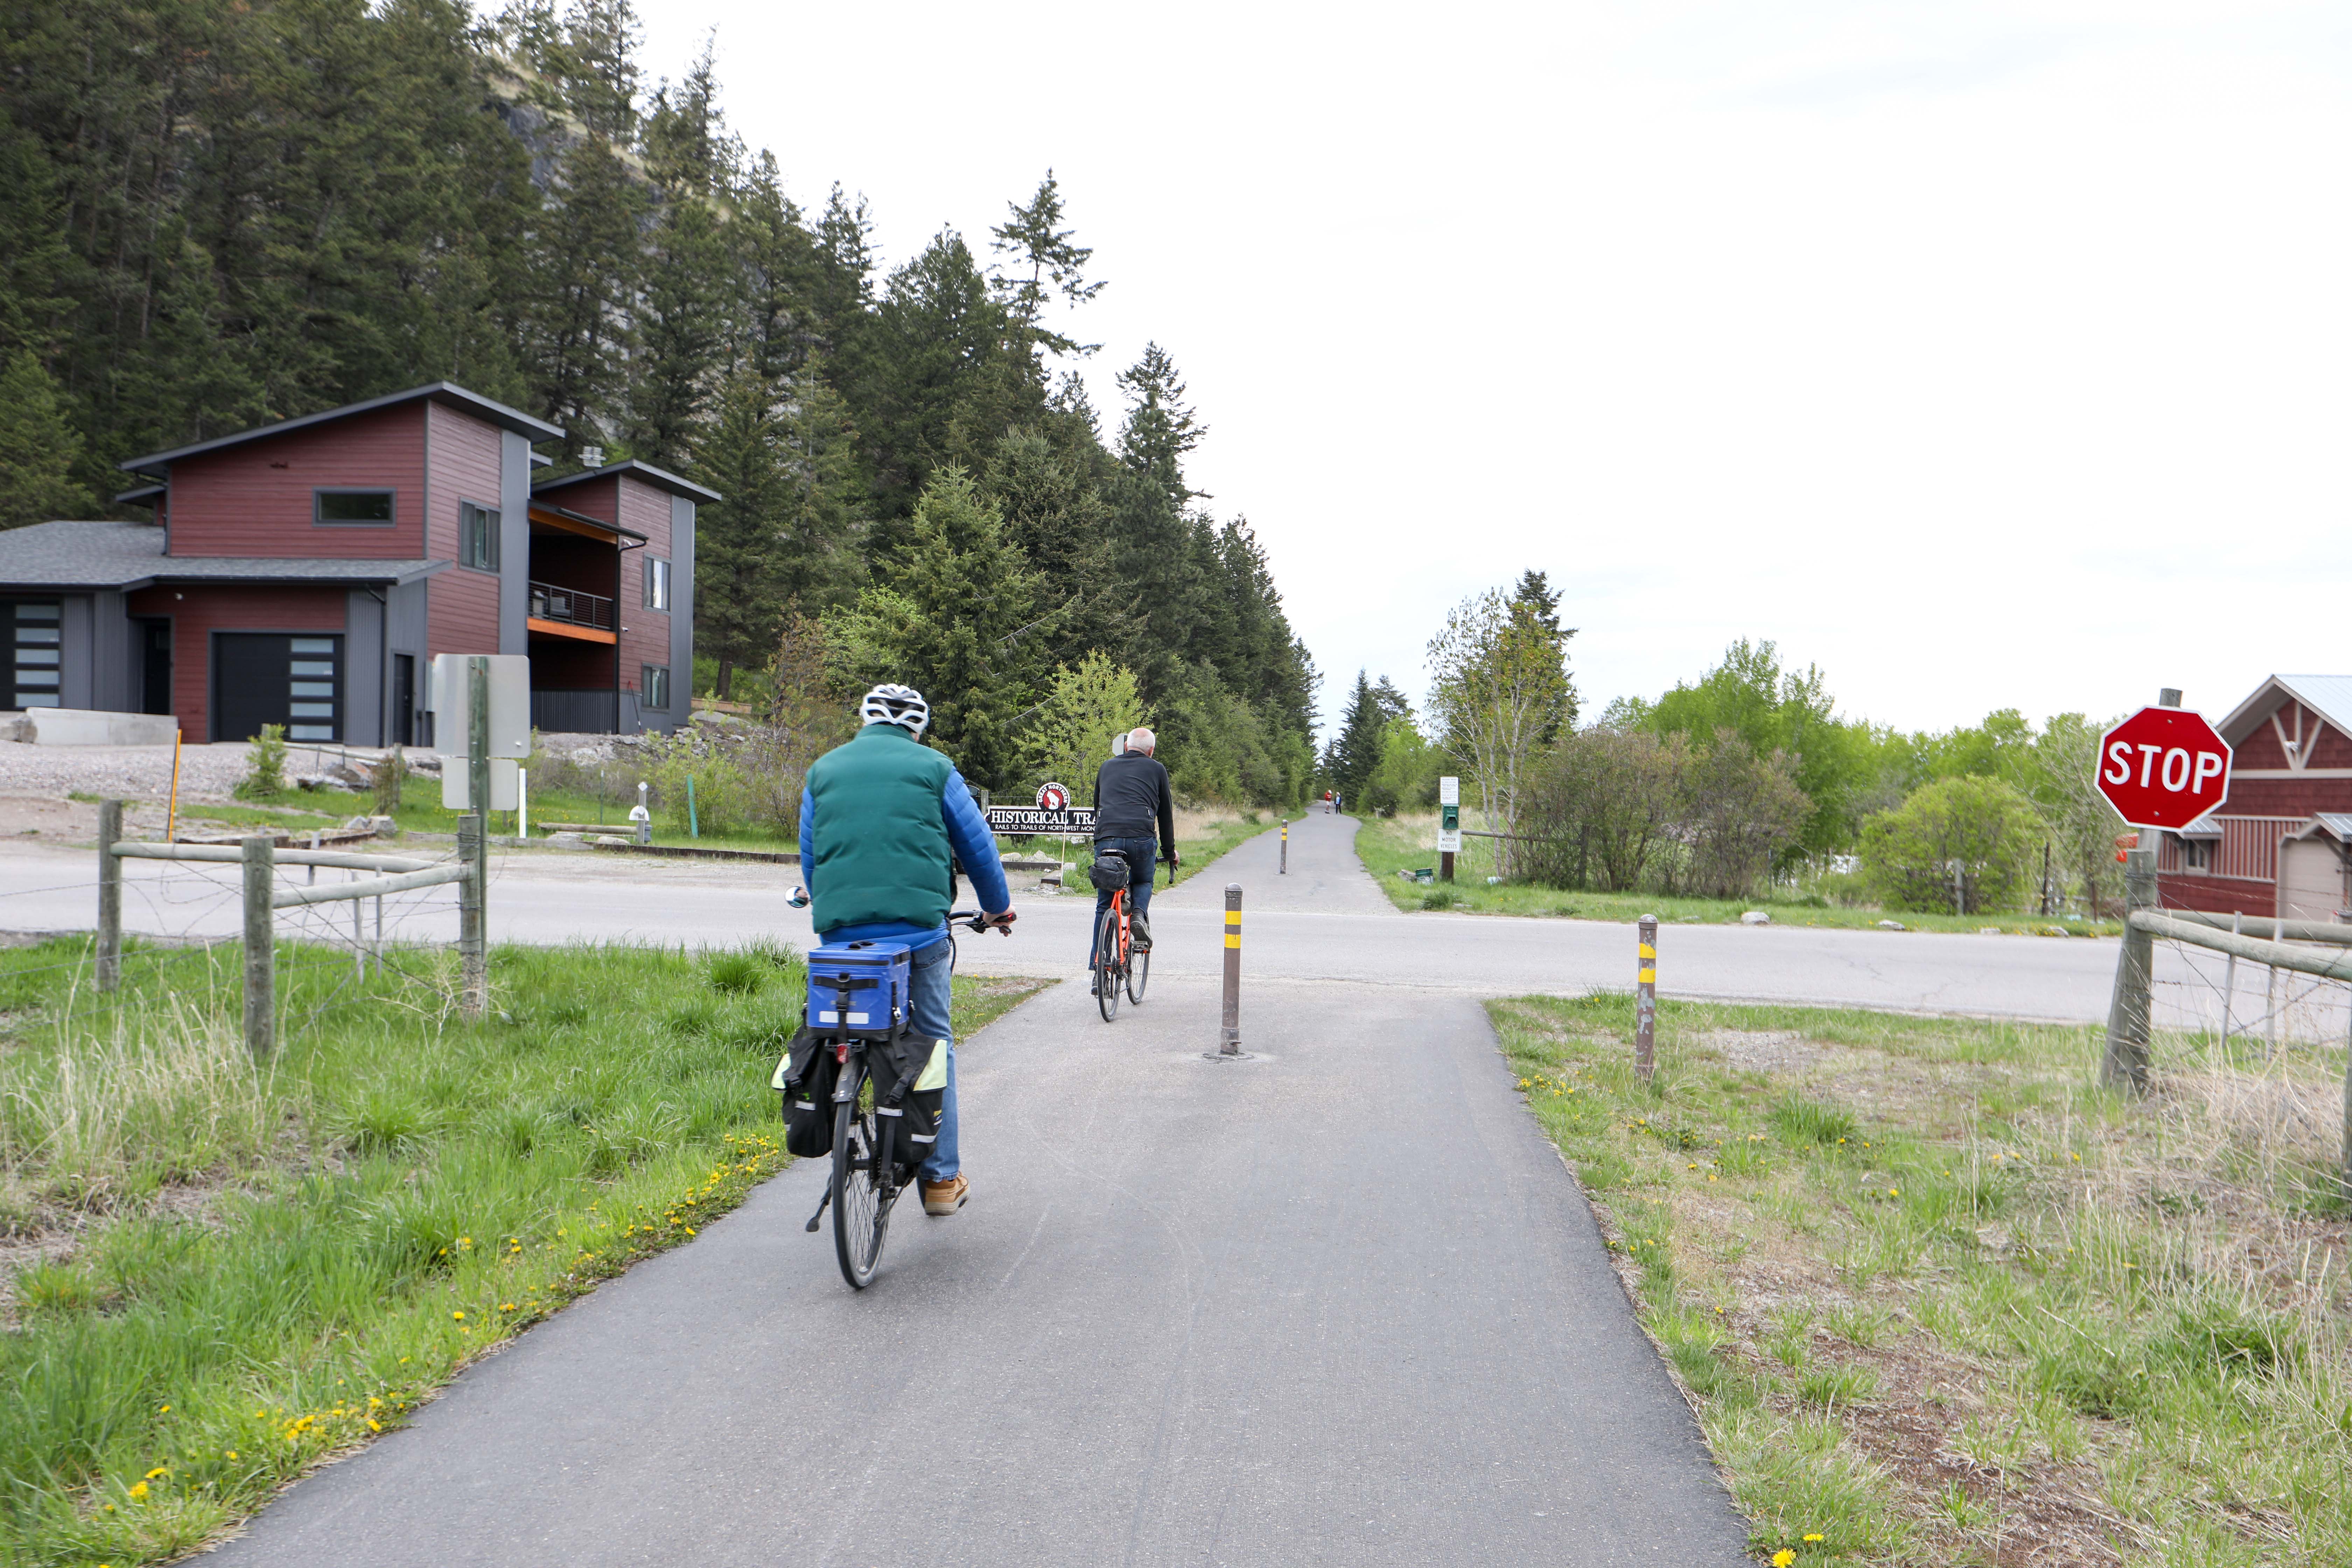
(957, 616)
(1536, 601)
(1160, 427)
(1355, 751)
(38, 447)
(1055, 266)
(738, 611)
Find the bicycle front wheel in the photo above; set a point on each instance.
(1139, 974)
(1106, 964)
(860, 1217)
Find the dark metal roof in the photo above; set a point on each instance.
(660, 478)
(131, 555)
(446, 392)
(142, 495)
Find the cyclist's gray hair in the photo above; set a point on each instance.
(1141, 739)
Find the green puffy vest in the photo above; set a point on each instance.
(880, 842)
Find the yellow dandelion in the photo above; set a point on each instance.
(159, 1471)
(232, 1454)
(459, 1316)
(1815, 1536)
(1782, 1558)
(374, 1427)
(139, 1490)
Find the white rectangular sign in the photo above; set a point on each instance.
(510, 708)
(1449, 843)
(1449, 791)
(506, 792)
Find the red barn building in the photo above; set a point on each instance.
(304, 572)
(2278, 845)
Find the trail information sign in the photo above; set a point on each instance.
(2163, 767)
(1020, 819)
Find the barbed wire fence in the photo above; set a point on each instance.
(311, 928)
(2259, 1008)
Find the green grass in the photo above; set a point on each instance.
(1939, 1299)
(229, 1273)
(1387, 845)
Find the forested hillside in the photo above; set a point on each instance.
(217, 212)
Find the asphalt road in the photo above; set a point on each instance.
(1340, 1305)
(1324, 920)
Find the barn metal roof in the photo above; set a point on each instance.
(448, 392)
(131, 555)
(2330, 696)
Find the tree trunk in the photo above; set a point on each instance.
(726, 680)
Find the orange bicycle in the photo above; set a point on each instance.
(1117, 962)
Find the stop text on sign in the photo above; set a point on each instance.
(2163, 767)
(2179, 772)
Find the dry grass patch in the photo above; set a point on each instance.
(1937, 1297)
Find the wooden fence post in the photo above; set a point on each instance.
(2128, 1016)
(1646, 1003)
(260, 948)
(473, 846)
(109, 896)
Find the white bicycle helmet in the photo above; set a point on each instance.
(900, 705)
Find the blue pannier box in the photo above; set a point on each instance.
(874, 976)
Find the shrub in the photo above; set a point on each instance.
(1966, 843)
(1737, 810)
(265, 775)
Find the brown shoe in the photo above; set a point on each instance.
(943, 1198)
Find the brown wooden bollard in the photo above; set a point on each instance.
(259, 855)
(109, 896)
(1645, 1002)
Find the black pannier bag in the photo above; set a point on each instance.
(910, 1091)
(1109, 872)
(807, 1076)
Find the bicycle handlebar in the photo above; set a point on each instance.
(976, 922)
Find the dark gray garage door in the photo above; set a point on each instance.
(269, 678)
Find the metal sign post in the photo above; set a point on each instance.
(1449, 826)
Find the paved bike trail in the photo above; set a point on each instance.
(1338, 1305)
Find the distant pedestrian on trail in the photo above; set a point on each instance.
(1132, 803)
(883, 820)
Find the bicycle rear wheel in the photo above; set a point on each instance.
(860, 1214)
(1139, 974)
(1106, 964)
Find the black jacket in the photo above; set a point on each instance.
(1131, 798)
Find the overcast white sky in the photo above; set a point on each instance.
(1987, 355)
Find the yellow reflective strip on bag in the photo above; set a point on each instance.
(781, 1067)
(935, 1074)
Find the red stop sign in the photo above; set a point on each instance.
(2163, 767)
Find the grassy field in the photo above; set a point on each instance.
(218, 1276)
(1939, 1300)
(1387, 845)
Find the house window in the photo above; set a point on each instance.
(654, 688)
(361, 508)
(478, 537)
(657, 584)
(2197, 854)
(36, 635)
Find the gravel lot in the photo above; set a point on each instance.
(145, 773)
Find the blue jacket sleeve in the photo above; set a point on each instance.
(808, 840)
(974, 845)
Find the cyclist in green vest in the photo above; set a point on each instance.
(880, 818)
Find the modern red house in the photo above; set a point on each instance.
(2282, 842)
(304, 572)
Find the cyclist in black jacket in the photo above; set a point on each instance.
(1131, 804)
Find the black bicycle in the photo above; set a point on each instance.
(873, 1161)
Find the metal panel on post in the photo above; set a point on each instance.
(1449, 826)
(109, 896)
(260, 949)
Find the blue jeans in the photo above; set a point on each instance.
(1140, 855)
(927, 1003)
